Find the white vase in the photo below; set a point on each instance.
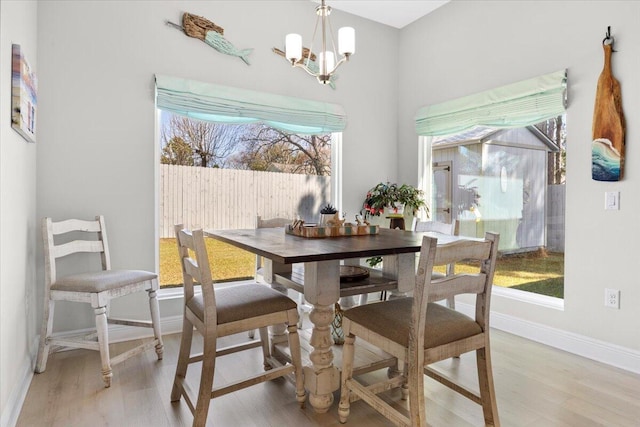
(396, 209)
(325, 217)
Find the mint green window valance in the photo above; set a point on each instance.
(516, 105)
(224, 104)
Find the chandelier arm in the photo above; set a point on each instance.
(343, 60)
(304, 67)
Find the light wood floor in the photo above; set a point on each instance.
(535, 385)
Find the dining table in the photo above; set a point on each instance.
(320, 282)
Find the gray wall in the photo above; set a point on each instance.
(97, 63)
(18, 225)
(469, 46)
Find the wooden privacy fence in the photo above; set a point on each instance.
(227, 198)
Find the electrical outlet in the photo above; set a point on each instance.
(612, 298)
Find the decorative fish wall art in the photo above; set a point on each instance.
(607, 148)
(210, 33)
(313, 65)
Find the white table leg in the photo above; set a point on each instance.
(402, 266)
(322, 289)
(277, 332)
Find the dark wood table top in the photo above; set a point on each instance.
(275, 244)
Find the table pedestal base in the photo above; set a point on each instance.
(322, 378)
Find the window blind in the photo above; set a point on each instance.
(224, 104)
(516, 105)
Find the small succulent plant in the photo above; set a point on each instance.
(329, 209)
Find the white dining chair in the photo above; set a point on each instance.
(97, 288)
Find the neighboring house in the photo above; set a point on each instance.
(495, 180)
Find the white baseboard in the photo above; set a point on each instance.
(611, 354)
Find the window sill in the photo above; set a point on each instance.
(529, 297)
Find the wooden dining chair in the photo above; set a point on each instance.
(452, 229)
(219, 312)
(420, 332)
(81, 240)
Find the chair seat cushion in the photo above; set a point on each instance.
(392, 320)
(101, 281)
(242, 302)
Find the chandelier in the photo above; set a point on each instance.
(326, 65)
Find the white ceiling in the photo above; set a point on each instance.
(396, 13)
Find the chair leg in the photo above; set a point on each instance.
(417, 408)
(183, 360)
(296, 359)
(405, 385)
(45, 333)
(347, 375)
(266, 349)
(206, 379)
(487, 391)
(103, 343)
(155, 320)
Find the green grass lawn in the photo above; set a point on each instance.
(538, 272)
(227, 262)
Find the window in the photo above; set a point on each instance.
(216, 175)
(492, 167)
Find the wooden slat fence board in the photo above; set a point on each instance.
(228, 198)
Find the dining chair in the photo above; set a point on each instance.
(219, 312)
(452, 229)
(267, 223)
(273, 223)
(80, 240)
(420, 332)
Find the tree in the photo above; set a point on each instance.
(265, 148)
(177, 152)
(555, 129)
(210, 143)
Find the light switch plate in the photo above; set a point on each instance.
(612, 200)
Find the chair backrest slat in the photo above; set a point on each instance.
(461, 250)
(197, 269)
(271, 222)
(76, 246)
(457, 284)
(95, 242)
(438, 227)
(69, 225)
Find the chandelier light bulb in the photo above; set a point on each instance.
(293, 47)
(346, 41)
(327, 62)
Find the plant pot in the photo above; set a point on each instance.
(325, 217)
(396, 209)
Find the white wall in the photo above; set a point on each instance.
(18, 228)
(97, 60)
(469, 46)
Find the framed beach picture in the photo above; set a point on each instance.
(23, 95)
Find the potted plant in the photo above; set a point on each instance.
(327, 213)
(390, 196)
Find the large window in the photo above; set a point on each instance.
(216, 175)
(492, 167)
(229, 154)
